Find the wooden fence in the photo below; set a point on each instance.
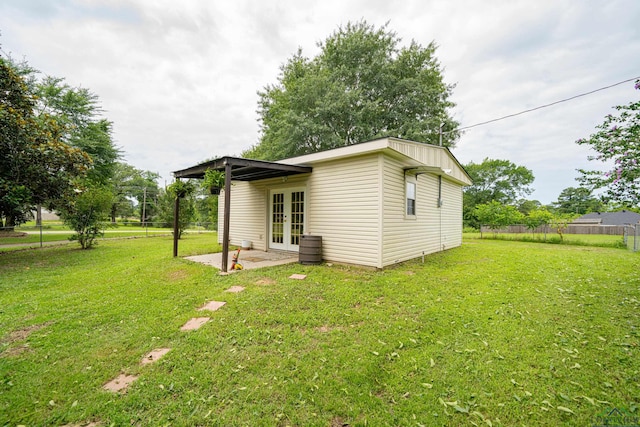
(612, 230)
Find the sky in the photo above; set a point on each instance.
(179, 79)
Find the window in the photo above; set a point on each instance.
(411, 198)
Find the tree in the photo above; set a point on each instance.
(577, 200)
(77, 111)
(526, 206)
(36, 166)
(85, 213)
(617, 141)
(560, 222)
(129, 183)
(360, 86)
(494, 180)
(496, 215)
(537, 218)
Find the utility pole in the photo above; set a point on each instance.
(144, 206)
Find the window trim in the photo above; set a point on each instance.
(410, 181)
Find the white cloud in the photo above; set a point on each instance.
(179, 79)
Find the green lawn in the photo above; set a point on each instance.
(494, 333)
(57, 232)
(602, 240)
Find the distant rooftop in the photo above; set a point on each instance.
(623, 217)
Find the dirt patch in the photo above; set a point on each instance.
(339, 422)
(325, 328)
(15, 351)
(265, 281)
(174, 276)
(235, 289)
(22, 334)
(12, 234)
(87, 424)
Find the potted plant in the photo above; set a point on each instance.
(214, 180)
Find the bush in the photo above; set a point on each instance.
(85, 213)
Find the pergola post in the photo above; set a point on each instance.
(227, 215)
(176, 214)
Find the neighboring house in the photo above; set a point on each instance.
(375, 204)
(623, 217)
(46, 215)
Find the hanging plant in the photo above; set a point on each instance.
(213, 180)
(181, 189)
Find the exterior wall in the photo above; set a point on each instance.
(343, 207)
(405, 237)
(250, 209)
(451, 214)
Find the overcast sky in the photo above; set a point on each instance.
(179, 78)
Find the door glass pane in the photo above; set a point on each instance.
(297, 216)
(277, 219)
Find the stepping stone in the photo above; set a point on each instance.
(194, 323)
(155, 355)
(298, 276)
(212, 305)
(120, 383)
(235, 289)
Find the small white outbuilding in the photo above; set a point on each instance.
(375, 203)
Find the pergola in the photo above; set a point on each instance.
(235, 169)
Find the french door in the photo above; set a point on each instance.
(286, 218)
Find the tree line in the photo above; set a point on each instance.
(58, 153)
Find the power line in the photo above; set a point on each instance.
(543, 106)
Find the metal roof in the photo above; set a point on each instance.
(243, 169)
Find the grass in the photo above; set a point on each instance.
(492, 333)
(55, 231)
(600, 240)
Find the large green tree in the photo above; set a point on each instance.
(494, 180)
(577, 200)
(77, 111)
(617, 143)
(36, 165)
(362, 85)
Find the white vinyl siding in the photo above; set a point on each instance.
(250, 209)
(432, 156)
(406, 238)
(343, 208)
(451, 215)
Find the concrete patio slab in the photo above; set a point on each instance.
(212, 306)
(154, 355)
(120, 383)
(194, 323)
(248, 259)
(298, 276)
(235, 289)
